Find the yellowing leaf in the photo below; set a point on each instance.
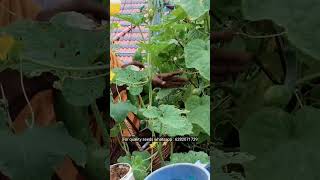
(112, 75)
(153, 145)
(6, 43)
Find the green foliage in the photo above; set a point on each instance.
(189, 7)
(152, 112)
(74, 19)
(132, 78)
(119, 111)
(167, 119)
(277, 121)
(180, 41)
(38, 148)
(135, 19)
(199, 114)
(128, 76)
(65, 51)
(197, 54)
(189, 157)
(220, 159)
(137, 56)
(176, 43)
(139, 162)
(135, 90)
(284, 143)
(162, 93)
(196, 91)
(76, 56)
(293, 18)
(75, 119)
(278, 95)
(75, 94)
(65, 46)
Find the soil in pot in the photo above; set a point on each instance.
(118, 171)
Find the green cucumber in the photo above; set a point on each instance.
(278, 95)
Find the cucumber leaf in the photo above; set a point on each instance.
(38, 151)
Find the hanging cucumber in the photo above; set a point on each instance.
(75, 118)
(133, 99)
(278, 95)
(196, 91)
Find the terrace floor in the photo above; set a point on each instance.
(127, 36)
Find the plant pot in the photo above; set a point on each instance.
(121, 171)
(206, 166)
(183, 171)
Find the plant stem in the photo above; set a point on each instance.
(144, 40)
(149, 61)
(26, 97)
(118, 94)
(171, 148)
(160, 152)
(6, 108)
(122, 146)
(100, 122)
(141, 100)
(125, 146)
(89, 68)
(151, 160)
(308, 78)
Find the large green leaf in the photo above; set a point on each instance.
(65, 51)
(295, 15)
(135, 90)
(135, 19)
(195, 8)
(37, 152)
(307, 124)
(268, 127)
(151, 112)
(119, 111)
(197, 55)
(285, 146)
(189, 157)
(292, 160)
(199, 114)
(128, 76)
(162, 93)
(74, 19)
(57, 46)
(167, 119)
(84, 91)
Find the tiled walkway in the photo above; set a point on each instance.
(128, 36)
